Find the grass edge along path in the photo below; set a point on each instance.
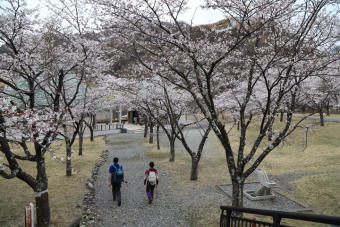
(65, 193)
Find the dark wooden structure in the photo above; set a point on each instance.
(227, 218)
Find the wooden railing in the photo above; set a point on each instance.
(229, 220)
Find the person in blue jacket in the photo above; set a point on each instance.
(116, 177)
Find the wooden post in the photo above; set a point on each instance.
(253, 224)
(276, 221)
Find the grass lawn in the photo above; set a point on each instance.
(319, 188)
(65, 193)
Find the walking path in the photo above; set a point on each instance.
(168, 208)
(328, 119)
(130, 127)
(135, 210)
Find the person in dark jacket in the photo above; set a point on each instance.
(116, 177)
(151, 180)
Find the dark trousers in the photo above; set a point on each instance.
(149, 190)
(116, 191)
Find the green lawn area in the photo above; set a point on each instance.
(65, 193)
(319, 161)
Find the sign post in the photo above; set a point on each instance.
(29, 215)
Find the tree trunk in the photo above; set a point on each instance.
(42, 208)
(281, 116)
(146, 130)
(81, 140)
(270, 132)
(158, 145)
(172, 150)
(93, 120)
(151, 134)
(322, 121)
(91, 132)
(93, 126)
(68, 160)
(237, 191)
(41, 192)
(328, 109)
(194, 168)
(238, 126)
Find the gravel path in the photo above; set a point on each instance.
(329, 119)
(167, 209)
(193, 137)
(135, 210)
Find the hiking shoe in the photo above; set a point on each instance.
(150, 201)
(119, 203)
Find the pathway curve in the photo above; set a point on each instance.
(166, 210)
(326, 118)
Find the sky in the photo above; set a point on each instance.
(194, 13)
(201, 16)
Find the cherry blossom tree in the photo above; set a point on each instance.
(318, 93)
(92, 101)
(30, 109)
(89, 103)
(253, 65)
(76, 25)
(174, 103)
(164, 105)
(77, 106)
(147, 97)
(36, 60)
(195, 155)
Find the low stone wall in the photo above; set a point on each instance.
(89, 215)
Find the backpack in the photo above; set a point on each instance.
(152, 178)
(117, 177)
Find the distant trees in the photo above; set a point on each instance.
(318, 93)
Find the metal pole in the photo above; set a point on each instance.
(120, 114)
(111, 113)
